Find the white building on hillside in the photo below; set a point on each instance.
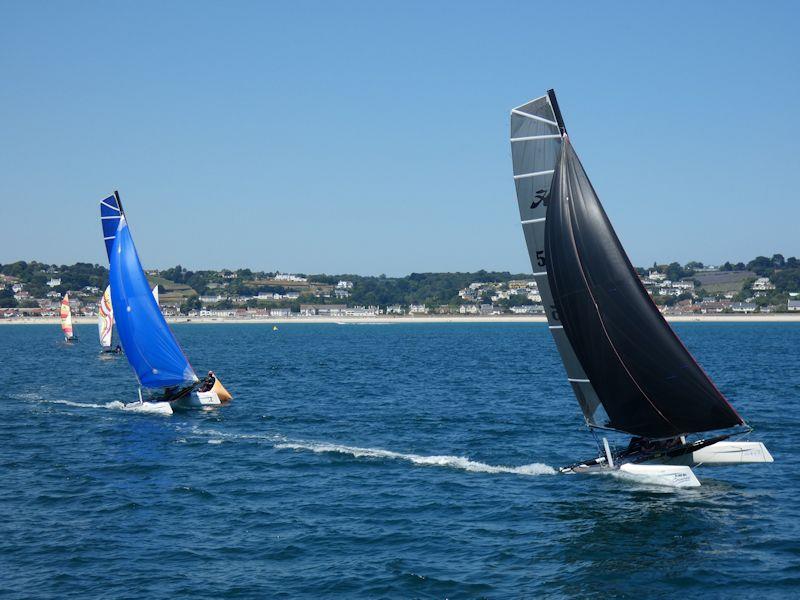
(763, 284)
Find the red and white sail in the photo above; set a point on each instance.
(105, 318)
(66, 317)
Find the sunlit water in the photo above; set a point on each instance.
(361, 461)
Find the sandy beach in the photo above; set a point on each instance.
(720, 318)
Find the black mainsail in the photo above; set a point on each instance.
(628, 369)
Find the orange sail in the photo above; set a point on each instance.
(66, 317)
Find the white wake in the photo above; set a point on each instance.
(149, 408)
(453, 462)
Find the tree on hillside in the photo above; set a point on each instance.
(760, 265)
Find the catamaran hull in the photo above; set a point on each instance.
(724, 453)
(213, 398)
(676, 471)
(154, 408)
(197, 401)
(661, 475)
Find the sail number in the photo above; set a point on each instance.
(540, 258)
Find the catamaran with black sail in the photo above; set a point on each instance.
(150, 347)
(628, 369)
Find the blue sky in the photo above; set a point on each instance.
(370, 137)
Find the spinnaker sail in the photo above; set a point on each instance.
(147, 340)
(105, 318)
(66, 317)
(628, 369)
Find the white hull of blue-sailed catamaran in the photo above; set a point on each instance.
(197, 400)
(153, 408)
(194, 401)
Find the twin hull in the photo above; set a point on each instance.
(677, 472)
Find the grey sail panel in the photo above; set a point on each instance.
(535, 149)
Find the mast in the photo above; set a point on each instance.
(551, 96)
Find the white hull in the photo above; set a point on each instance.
(153, 408)
(725, 453)
(197, 400)
(661, 475)
(677, 472)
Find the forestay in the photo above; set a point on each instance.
(536, 137)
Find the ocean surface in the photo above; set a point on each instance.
(368, 461)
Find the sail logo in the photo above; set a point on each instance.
(541, 197)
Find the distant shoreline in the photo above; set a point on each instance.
(727, 318)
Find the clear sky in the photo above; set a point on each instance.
(372, 137)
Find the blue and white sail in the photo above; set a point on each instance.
(110, 215)
(150, 346)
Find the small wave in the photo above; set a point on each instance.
(215, 433)
(453, 462)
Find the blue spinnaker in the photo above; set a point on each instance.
(149, 344)
(110, 215)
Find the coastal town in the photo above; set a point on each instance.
(35, 290)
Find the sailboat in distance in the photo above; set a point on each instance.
(66, 320)
(150, 347)
(105, 321)
(628, 369)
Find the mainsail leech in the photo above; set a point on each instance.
(617, 348)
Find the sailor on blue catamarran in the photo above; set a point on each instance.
(630, 372)
(150, 347)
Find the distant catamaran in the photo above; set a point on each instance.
(66, 320)
(105, 319)
(627, 367)
(150, 346)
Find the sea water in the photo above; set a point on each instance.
(405, 461)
